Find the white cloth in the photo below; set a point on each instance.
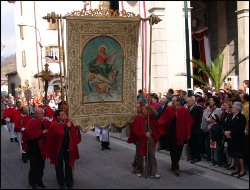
(11, 127)
(19, 138)
(97, 130)
(48, 118)
(207, 51)
(105, 134)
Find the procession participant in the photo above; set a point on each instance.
(8, 117)
(105, 137)
(97, 132)
(16, 115)
(32, 108)
(140, 124)
(61, 145)
(133, 139)
(20, 124)
(48, 112)
(176, 122)
(35, 133)
(163, 105)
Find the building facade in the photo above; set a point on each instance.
(226, 26)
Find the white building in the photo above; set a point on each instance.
(226, 25)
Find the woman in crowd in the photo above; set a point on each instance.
(206, 124)
(235, 133)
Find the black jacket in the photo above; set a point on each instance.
(196, 113)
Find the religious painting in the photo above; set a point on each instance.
(102, 70)
(102, 52)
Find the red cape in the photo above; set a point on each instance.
(184, 122)
(132, 136)
(54, 141)
(22, 122)
(8, 113)
(16, 114)
(34, 131)
(139, 130)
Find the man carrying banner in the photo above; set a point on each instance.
(61, 145)
(139, 125)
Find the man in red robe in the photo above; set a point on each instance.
(48, 112)
(62, 140)
(133, 139)
(175, 123)
(139, 125)
(35, 132)
(16, 115)
(20, 124)
(8, 117)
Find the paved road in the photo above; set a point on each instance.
(111, 169)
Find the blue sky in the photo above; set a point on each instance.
(8, 28)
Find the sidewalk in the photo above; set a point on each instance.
(203, 163)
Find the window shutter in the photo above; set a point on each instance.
(21, 32)
(52, 26)
(61, 53)
(47, 51)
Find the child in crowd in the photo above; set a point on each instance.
(216, 141)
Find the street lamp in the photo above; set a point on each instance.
(39, 42)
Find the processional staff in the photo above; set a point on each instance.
(153, 19)
(46, 76)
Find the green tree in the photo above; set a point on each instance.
(215, 71)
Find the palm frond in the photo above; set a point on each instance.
(201, 66)
(233, 68)
(216, 70)
(200, 79)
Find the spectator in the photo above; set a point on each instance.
(214, 107)
(196, 112)
(236, 137)
(245, 85)
(245, 102)
(216, 141)
(200, 100)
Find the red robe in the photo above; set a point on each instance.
(34, 131)
(16, 115)
(20, 123)
(132, 136)
(184, 122)
(8, 113)
(54, 141)
(139, 130)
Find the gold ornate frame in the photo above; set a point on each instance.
(80, 30)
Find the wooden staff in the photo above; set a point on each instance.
(60, 64)
(64, 64)
(142, 79)
(149, 91)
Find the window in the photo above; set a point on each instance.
(52, 53)
(23, 59)
(21, 32)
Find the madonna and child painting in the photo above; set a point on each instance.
(102, 70)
